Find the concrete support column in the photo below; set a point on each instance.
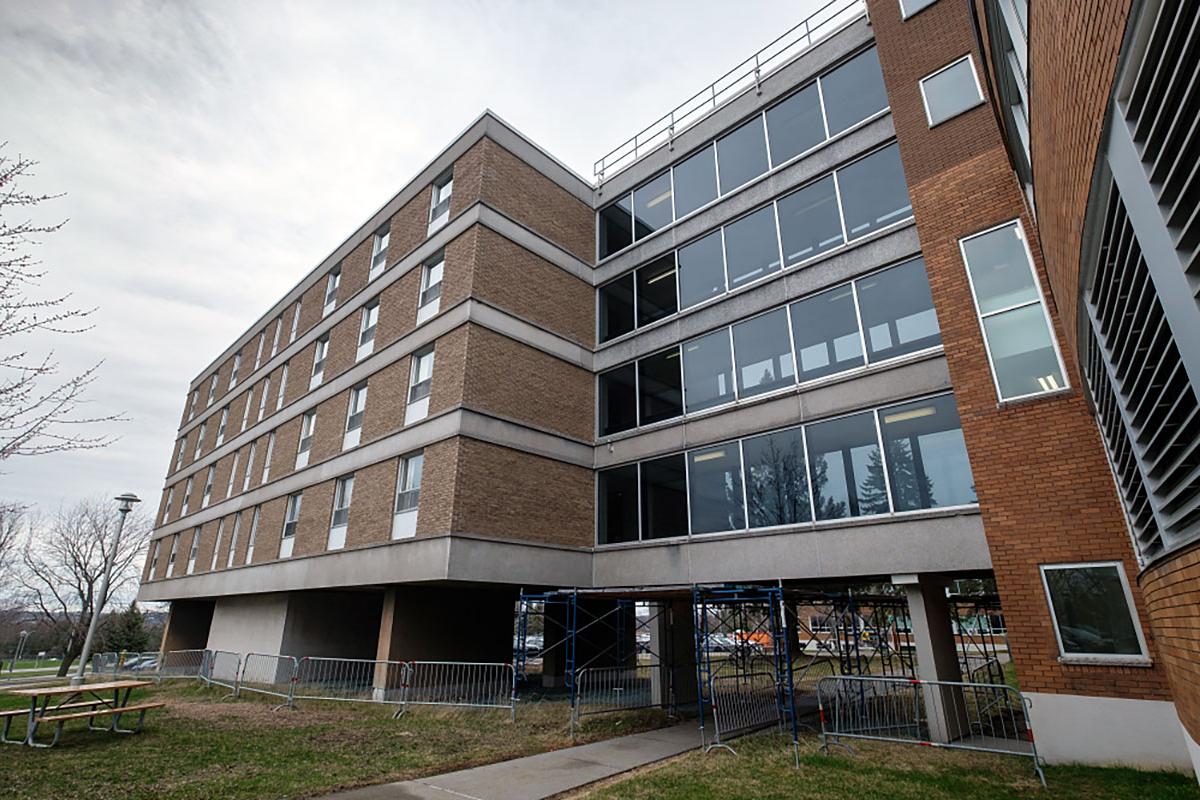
(383, 647)
(673, 638)
(937, 654)
(554, 646)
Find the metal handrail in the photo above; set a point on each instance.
(749, 73)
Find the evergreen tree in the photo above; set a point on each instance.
(127, 631)
(906, 484)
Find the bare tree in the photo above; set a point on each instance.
(39, 409)
(63, 559)
(10, 523)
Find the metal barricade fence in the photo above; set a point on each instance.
(222, 668)
(741, 703)
(470, 684)
(984, 717)
(351, 679)
(104, 663)
(180, 664)
(602, 690)
(268, 674)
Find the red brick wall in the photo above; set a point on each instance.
(1172, 589)
(1045, 491)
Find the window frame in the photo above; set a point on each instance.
(970, 59)
(1115, 659)
(379, 247)
(907, 15)
(332, 283)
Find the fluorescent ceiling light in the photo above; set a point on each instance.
(916, 413)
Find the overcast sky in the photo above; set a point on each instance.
(212, 153)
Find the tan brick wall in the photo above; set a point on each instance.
(1172, 589)
(371, 508)
(409, 225)
(1045, 491)
(343, 346)
(439, 478)
(398, 309)
(287, 442)
(387, 391)
(330, 428)
(270, 529)
(299, 371)
(509, 494)
(312, 531)
(468, 177)
(516, 381)
(449, 362)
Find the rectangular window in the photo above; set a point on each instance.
(237, 366)
(741, 155)
(660, 387)
(664, 497)
(249, 466)
(180, 453)
(283, 376)
(343, 492)
(212, 390)
(154, 559)
(1092, 610)
(420, 384)
(275, 338)
(897, 311)
(1016, 327)
(846, 469)
(249, 397)
(618, 399)
(656, 296)
(291, 517)
(308, 423)
(874, 194)
(232, 473)
(212, 565)
(708, 371)
(715, 489)
(200, 440)
(171, 557)
(701, 270)
(253, 537)
(810, 221)
(191, 563)
(408, 495)
(853, 91)
(926, 455)
(266, 473)
(439, 205)
(615, 222)
(379, 253)
(187, 496)
(262, 340)
(295, 322)
(776, 479)
(763, 352)
(331, 290)
(795, 125)
(825, 329)
(192, 405)
(652, 206)
(356, 409)
(910, 7)
(262, 399)
(366, 330)
(320, 351)
(617, 491)
(695, 182)
(233, 540)
(429, 301)
(616, 307)
(751, 247)
(950, 91)
(170, 500)
(208, 485)
(221, 426)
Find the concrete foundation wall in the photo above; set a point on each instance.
(249, 623)
(332, 624)
(188, 625)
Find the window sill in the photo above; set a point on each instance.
(1033, 398)
(1141, 662)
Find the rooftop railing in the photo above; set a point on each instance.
(819, 25)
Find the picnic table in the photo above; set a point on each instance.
(86, 701)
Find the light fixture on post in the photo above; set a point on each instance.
(125, 504)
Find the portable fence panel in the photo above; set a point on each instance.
(181, 664)
(742, 703)
(104, 663)
(605, 689)
(222, 668)
(268, 674)
(351, 679)
(460, 683)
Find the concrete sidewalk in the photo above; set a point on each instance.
(543, 775)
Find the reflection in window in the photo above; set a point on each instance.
(763, 354)
(795, 125)
(741, 154)
(809, 222)
(1092, 610)
(826, 332)
(618, 513)
(874, 194)
(708, 371)
(661, 394)
(776, 482)
(847, 471)
(656, 290)
(751, 247)
(701, 270)
(616, 227)
(897, 311)
(715, 486)
(618, 400)
(664, 498)
(616, 308)
(926, 455)
(695, 182)
(950, 91)
(853, 91)
(652, 206)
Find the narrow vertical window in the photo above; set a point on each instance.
(262, 340)
(331, 290)
(291, 517)
(246, 408)
(262, 400)
(617, 496)
(266, 473)
(154, 559)
(275, 338)
(253, 537)
(355, 411)
(212, 566)
(233, 540)
(320, 351)
(232, 473)
(295, 322)
(208, 485)
(191, 562)
(343, 492)
(171, 557)
(439, 205)
(249, 466)
(379, 253)
(221, 426)
(408, 491)
(200, 440)
(180, 453)
(419, 386)
(366, 330)
(283, 376)
(429, 302)
(237, 366)
(192, 405)
(167, 506)
(212, 390)
(307, 424)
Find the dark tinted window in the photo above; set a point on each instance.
(853, 91)
(652, 206)
(701, 270)
(741, 155)
(826, 332)
(656, 290)
(795, 125)
(926, 455)
(763, 354)
(847, 472)
(751, 247)
(695, 182)
(715, 486)
(1092, 611)
(616, 227)
(618, 400)
(618, 512)
(708, 371)
(616, 307)
(809, 222)
(659, 386)
(897, 311)
(776, 481)
(664, 498)
(874, 193)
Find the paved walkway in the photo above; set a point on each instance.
(543, 775)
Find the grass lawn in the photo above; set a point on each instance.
(764, 769)
(201, 747)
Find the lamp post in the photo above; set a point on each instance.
(21, 637)
(125, 504)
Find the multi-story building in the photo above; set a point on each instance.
(807, 335)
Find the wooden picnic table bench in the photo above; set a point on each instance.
(90, 696)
